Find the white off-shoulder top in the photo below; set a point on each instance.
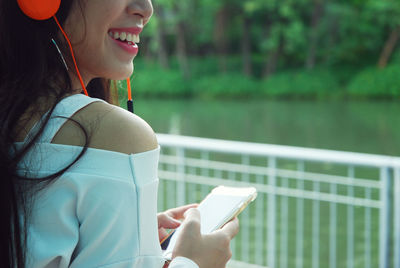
(102, 212)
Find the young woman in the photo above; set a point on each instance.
(79, 175)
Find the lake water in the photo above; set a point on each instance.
(359, 126)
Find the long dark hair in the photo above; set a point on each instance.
(30, 70)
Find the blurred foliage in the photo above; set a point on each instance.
(378, 83)
(228, 85)
(300, 84)
(270, 48)
(164, 83)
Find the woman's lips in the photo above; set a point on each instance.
(127, 46)
(126, 38)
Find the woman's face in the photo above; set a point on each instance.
(104, 34)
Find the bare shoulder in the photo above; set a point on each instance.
(110, 128)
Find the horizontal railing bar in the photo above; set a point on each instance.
(280, 151)
(284, 173)
(190, 178)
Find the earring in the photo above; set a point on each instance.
(59, 52)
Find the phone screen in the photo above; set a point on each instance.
(212, 209)
(216, 209)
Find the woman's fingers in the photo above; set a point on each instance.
(169, 218)
(166, 221)
(177, 213)
(211, 250)
(231, 228)
(191, 224)
(192, 218)
(162, 233)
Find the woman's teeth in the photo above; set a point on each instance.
(124, 36)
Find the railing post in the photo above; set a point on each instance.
(259, 240)
(333, 227)
(284, 237)
(271, 212)
(315, 227)
(350, 221)
(397, 217)
(204, 172)
(367, 231)
(384, 236)
(180, 186)
(245, 216)
(300, 219)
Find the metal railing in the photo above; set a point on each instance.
(315, 208)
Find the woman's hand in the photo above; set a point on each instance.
(170, 219)
(208, 251)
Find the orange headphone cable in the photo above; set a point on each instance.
(129, 102)
(128, 85)
(73, 57)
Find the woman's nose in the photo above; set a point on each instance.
(142, 8)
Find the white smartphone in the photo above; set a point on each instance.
(219, 207)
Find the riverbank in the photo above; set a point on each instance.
(322, 83)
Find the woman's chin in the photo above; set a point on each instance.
(123, 74)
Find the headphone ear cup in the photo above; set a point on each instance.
(39, 9)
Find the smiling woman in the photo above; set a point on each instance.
(79, 175)
(99, 53)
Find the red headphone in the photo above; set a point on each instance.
(39, 9)
(45, 9)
